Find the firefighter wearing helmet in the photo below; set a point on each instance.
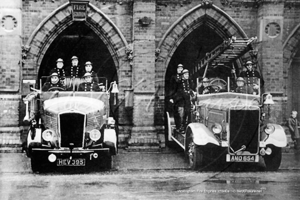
(88, 85)
(53, 83)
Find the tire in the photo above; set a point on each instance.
(195, 156)
(273, 161)
(107, 162)
(35, 165)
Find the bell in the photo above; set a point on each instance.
(115, 88)
(269, 99)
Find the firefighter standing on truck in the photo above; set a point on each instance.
(183, 100)
(74, 70)
(252, 77)
(175, 95)
(188, 94)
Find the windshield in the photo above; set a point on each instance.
(87, 83)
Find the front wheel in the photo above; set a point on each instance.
(195, 156)
(273, 161)
(108, 162)
(35, 165)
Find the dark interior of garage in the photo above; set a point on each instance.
(79, 40)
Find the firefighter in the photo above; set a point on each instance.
(206, 88)
(74, 71)
(89, 69)
(89, 84)
(242, 87)
(188, 95)
(293, 124)
(59, 69)
(252, 77)
(175, 95)
(183, 100)
(54, 83)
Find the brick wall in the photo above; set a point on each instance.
(149, 94)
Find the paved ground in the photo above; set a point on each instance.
(165, 160)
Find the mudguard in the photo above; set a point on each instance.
(110, 136)
(202, 135)
(277, 138)
(36, 138)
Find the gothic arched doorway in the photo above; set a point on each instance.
(189, 39)
(192, 49)
(81, 41)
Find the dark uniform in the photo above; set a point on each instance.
(60, 71)
(251, 77)
(175, 83)
(187, 94)
(207, 89)
(50, 84)
(88, 86)
(74, 71)
(182, 100)
(242, 87)
(93, 74)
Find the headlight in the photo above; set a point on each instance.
(48, 135)
(52, 157)
(95, 134)
(269, 129)
(216, 128)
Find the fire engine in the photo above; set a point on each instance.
(70, 128)
(228, 127)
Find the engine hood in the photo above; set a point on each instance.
(80, 104)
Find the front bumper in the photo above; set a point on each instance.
(64, 159)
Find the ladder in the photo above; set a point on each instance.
(226, 53)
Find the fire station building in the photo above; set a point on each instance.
(138, 44)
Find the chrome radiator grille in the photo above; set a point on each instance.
(244, 130)
(71, 129)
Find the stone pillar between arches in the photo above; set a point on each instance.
(143, 135)
(10, 70)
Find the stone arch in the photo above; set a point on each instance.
(290, 47)
(224, 25)
(291, 51)
(214, 17)
(59, 20)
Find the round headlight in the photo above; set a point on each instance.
(95, 134)
(48, 135)
(269, 129)
(216, 128)
(52, 157)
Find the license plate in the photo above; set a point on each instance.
(71, 162)
(241, 158)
